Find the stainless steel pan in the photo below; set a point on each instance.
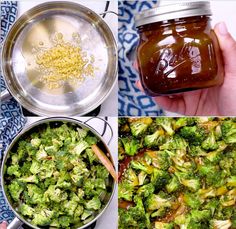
(55, 121)
(18, 65)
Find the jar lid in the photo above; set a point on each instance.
(173, 11)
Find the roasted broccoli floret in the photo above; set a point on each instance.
(161, 225)
(193, 134)
(192, 200)
(131, 146)
(174, 143)
(155, 139)
(139, 126)
(173, 185)
(142, 165)
(221, 224)
(155, 202)
(125, 191)
(183, 121)
(210, 142)
(159, 159)
(228, 129)
(166, 124)
(146, 190)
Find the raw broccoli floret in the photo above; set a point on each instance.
(14, 170)
(70, 206)
(79, 147)
(64, 221)
(35, 167)
(101, 172)
(55, 194)
(86, 214)
(26, 210)
(91, 155)
(15, 189)
(93, 204)
(41, 154)
(42, 218)
(35, 142)
(30, 179)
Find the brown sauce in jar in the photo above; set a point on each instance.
(179, 55)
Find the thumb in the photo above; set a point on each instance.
(3, 225)
(228, 47)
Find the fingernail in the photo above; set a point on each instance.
(4, 222)
(222, 28)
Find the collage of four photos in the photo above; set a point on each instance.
(118, 114)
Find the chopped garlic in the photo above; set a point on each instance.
(63, 62)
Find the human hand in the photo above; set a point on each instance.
(3, 225)
(214, 101)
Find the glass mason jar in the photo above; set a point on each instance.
(178, 49)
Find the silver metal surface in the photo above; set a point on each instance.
(15, 224)
(38, 124)
(39, 23)
(173, 11)
(5, 95)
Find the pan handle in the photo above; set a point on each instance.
(15, 224)
(108, 12)
(5, 95)
(105, 127)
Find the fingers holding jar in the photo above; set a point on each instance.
(228, 47)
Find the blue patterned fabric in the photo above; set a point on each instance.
(11, 118)
(132, 102)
